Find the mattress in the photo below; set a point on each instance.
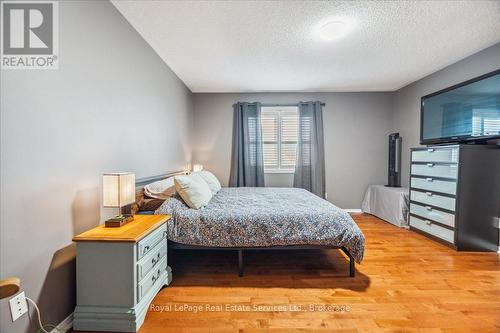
(263, 217)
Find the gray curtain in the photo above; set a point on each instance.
(247, 161)
(310, 163)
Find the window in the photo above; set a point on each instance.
(485, 122)
(279, 136)
(252, 140)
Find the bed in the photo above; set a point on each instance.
(244, 219)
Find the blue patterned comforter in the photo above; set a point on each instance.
(258, 217)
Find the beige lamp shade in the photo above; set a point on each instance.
(197, 167)
(118, 189)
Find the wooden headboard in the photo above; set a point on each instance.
(140, 183)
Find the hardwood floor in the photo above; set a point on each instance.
(406, 283)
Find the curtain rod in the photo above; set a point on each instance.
(279, 104)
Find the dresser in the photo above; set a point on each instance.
(118, 273)
(455, 195)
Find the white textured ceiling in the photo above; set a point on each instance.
(245, 46)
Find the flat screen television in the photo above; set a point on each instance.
(466, 112)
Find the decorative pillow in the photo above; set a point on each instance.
(161, 189)
(151, 204)
(193, 190)
(210, 179)
(139, 199)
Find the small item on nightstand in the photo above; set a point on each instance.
(118, 221)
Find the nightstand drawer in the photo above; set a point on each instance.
(151, 278)
(151, 260)
(435, 170)
(149, 242)
(433, 214)
(432, 229)
(429, 198)
(431, 184)
(449, 155)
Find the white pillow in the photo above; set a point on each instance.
(193, 190)
(161, 189)
(211, 180)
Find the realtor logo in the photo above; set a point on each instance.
(29, 35)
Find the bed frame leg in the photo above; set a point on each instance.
(240, 263)
(352, 268)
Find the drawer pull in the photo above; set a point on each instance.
(154, 278)
(165, 234)
(429, 179)
(430, 150)
(154, 261)
(427, 222)
(430, 165)
(146, 249)
(428, 208)
(429, 194)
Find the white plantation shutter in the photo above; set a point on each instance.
(279, 135)
(305, 131)
(270, 139)
(485, 122)
(252, 137)
(288, 129)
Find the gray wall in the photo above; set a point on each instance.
(113, 105)
(407, 99)
(356, 128)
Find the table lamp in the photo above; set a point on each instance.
(118, 191)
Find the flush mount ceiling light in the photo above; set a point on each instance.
(332, 30)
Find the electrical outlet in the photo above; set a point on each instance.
(18, 306)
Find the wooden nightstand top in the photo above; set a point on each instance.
(133, 231)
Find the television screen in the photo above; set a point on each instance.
(469, 111)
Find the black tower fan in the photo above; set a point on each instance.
(394, 169)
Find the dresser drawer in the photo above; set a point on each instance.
(151, 279)
(449, 155)
(433, 214)
(432, 229)
(151, 260)
(431, 184)
(428, 198)
(435, 170)
(146, 244)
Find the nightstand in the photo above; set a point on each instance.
(118, 273)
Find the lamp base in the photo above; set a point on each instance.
(118, 221)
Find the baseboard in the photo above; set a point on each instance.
(65, 325)
(353, 210)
